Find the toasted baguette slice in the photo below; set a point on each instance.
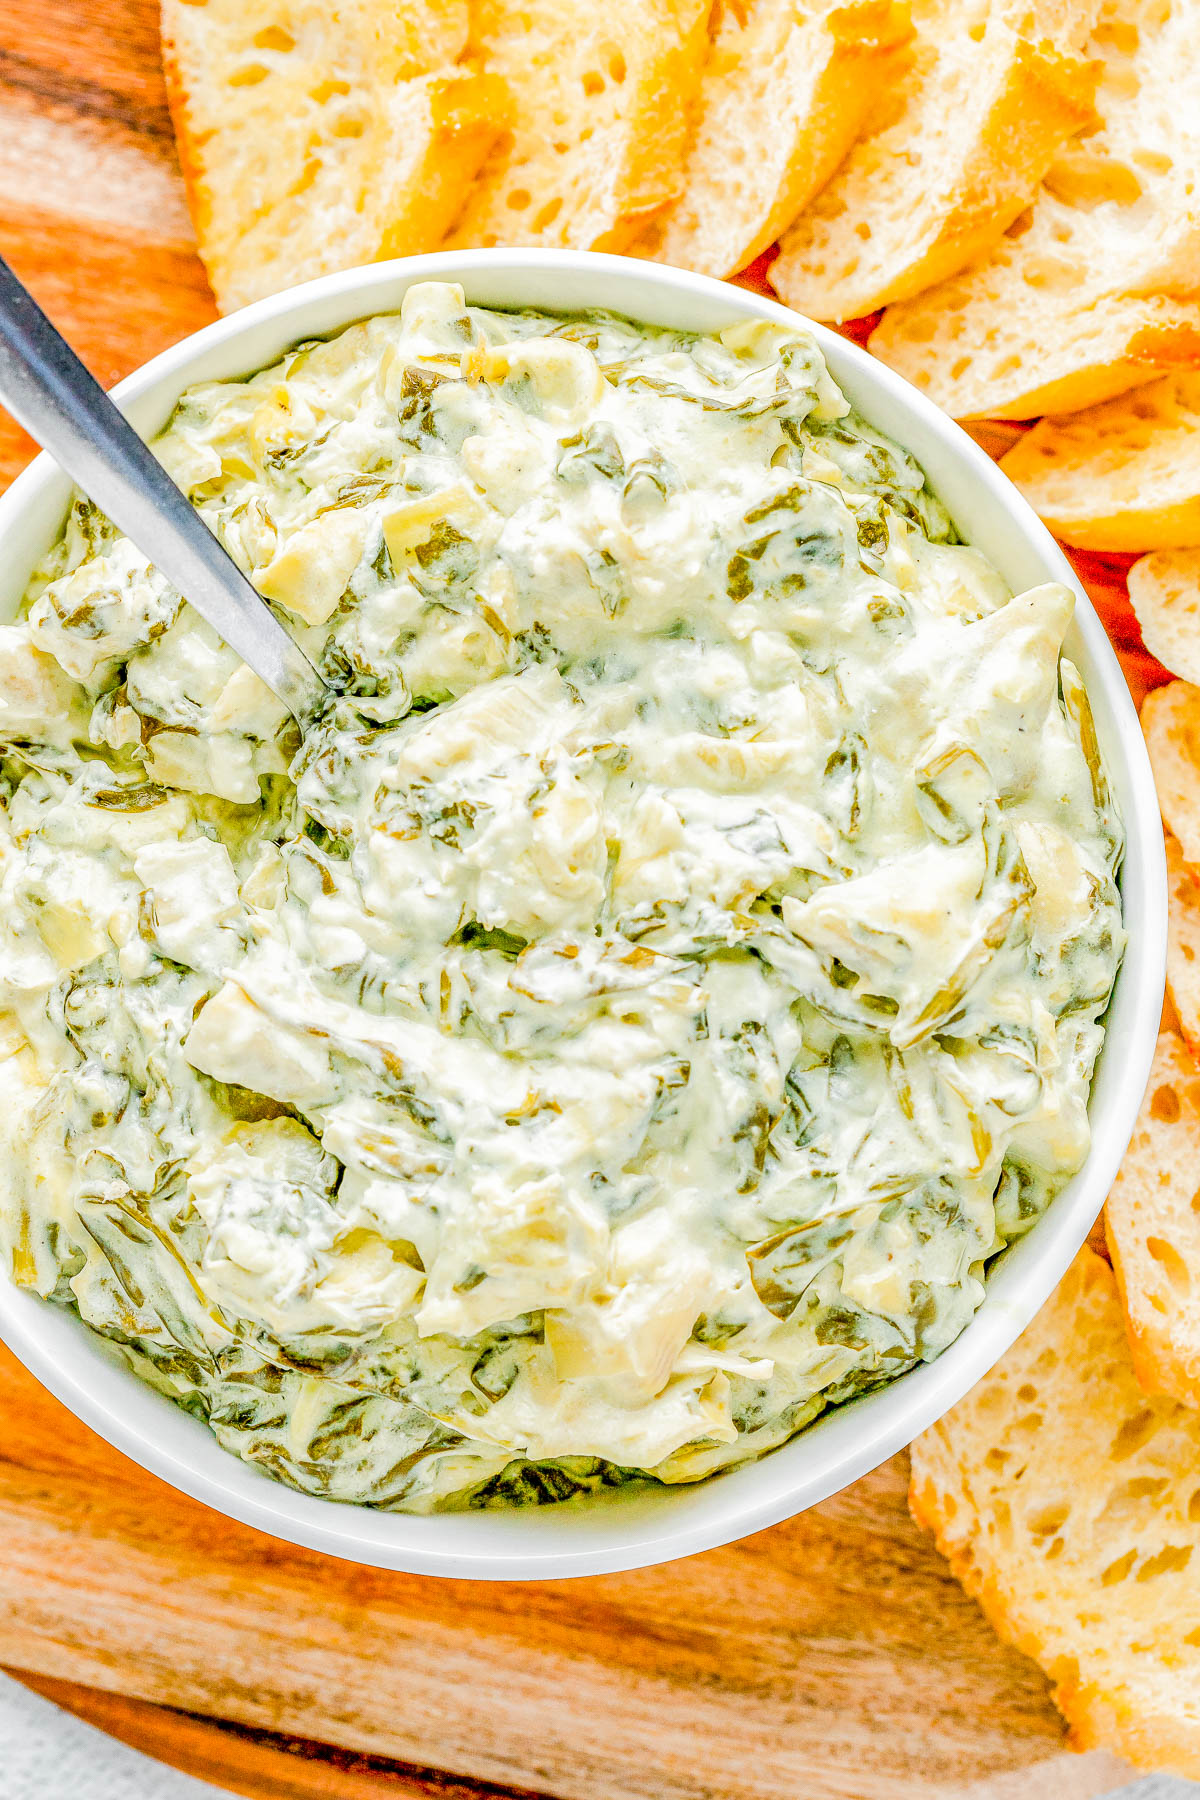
(786, 89)
(314, 138)
(600, 108)
(1121, 476)
(971, 124)
(996, 344)
(1165, 590)
(1092, 291)
(1153, 1228)
(1068, 1504)
(1183, 943)
(1171, 722)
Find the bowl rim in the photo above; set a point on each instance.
(85, 1373)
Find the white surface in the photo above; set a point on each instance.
(48, 1754)
(621, 1529)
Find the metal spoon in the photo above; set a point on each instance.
(47, 389)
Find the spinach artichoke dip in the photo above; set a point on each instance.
(629, 1019)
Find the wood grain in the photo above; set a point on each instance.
(93, 212)
(263, 1765)
(831, 1657)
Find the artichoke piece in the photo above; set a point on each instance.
(953, 792)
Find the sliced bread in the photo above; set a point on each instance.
(600, 106)
(1165, 590)
(786, 89)
(987, 97)
(1183, 944)
(1121, 476)
(1092, 289)
(314, 138)
(996, 343)
(1152, 1224)
(1171, 723)
(1068, 1503)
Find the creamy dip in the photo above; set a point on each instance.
(627, 1022)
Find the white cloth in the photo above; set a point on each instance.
(48, 1754)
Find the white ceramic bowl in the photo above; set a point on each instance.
(624, 1530)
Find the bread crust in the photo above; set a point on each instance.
(600, 103)
(1183, 944)
(975, 120)
(1065, 1501)
(312, 140)
(1152, 1232)
(786, 91)
(1164, 588)
(1093, 290)
(1064, 358)
(1121, 476)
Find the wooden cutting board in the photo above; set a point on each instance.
(830, 1657)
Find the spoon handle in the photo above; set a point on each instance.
(48, 391)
